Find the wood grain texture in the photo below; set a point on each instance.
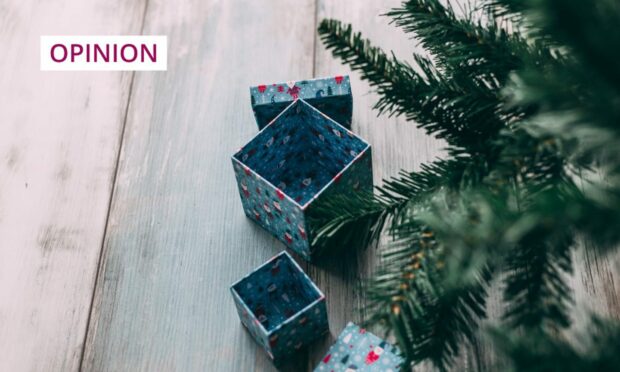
(177, 235)
(59, 140)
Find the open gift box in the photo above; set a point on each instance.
(357, 350)
(299, 159)
(281, 307)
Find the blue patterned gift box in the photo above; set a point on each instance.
(301, 158)
(281, 307)
(357, 350)
(332, 96)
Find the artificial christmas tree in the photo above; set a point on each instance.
(525, 93)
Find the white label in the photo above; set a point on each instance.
(104, 53)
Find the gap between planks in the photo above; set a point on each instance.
(112, 189)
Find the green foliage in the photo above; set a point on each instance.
(540, 352)
(526, 95)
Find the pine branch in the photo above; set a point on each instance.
(462, 46)
(515, 230)
(536, 290)
(357, 220)
(511, 10)
(430, 290)
(489, 229)
(541, 351)
(409, 298)
(579, 25)
(581, 89)
(460, 110)
(351, 221)
(521, 115)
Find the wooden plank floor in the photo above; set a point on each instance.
(120, 223)
(59, 142)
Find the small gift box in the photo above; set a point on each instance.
(357, 350)
(299, 159)
(280, 306)
(332, 96)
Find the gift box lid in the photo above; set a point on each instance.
(358, 350)
(332, 96)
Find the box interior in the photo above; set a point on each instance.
(338, 108)
(276, 291)
(301, 151)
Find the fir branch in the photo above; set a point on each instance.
(429, 292)
(507, 201)
(542, 351)
(515, 230)
(536, 290)
(460, 110)
(482, 51)
(357, 220)
(581, 90)
(350, 221)
(409, 298)
(579, 25)
(511, 10)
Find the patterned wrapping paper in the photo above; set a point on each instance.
(301, 158)
(332, 96)
(281, 307)
(357, 350)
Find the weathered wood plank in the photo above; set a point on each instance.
(59, 141)
(177, 236)
(597, 282)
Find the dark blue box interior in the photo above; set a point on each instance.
(276, 291)
(301, 151)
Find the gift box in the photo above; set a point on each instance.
(299, 159)
(281, 307)
(332, 96)
(357, 350)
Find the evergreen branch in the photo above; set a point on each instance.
(357, 220)
(541, 351)
(507, 200)
(409, 298)
(561, 207)
(485, 229)
(415, 187)
(582, 88)
(517, 7)
(462, 46)
(511, 10)
(514, 229)
(579, 25)
(460, 110)
(428, 292)
(536, 291)
(351, 221)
